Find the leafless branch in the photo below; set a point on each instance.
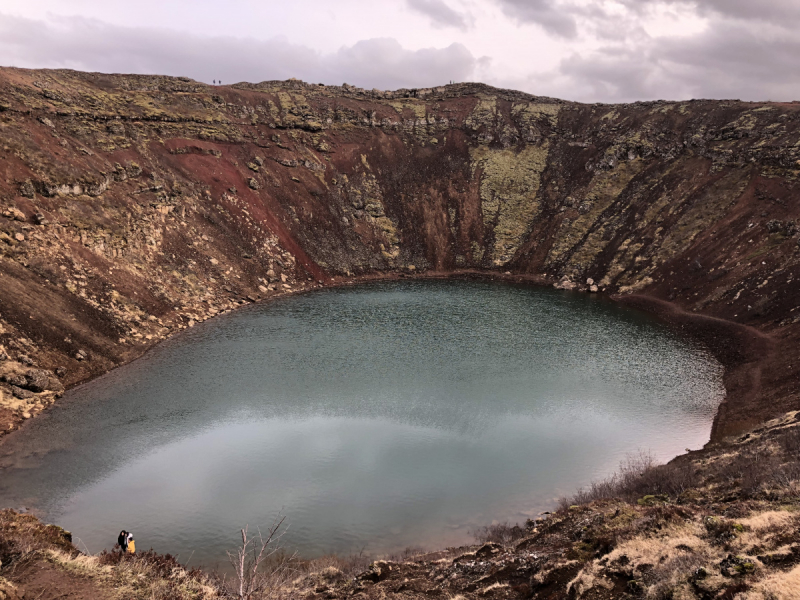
(253, 562)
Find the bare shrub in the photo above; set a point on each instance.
(638, 475)
(9, 552)
(656, 518)
(671, 576)
(757, 468)
(759, 471)
(790, 442)
(405, 554)
(260, 564)
(720, 530)
(501, 533)
(787, 474)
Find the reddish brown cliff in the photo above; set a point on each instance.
(135, 206)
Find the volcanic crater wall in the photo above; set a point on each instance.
(135, 206)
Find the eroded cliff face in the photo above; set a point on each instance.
(135, 206)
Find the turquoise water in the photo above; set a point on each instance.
(373, 417)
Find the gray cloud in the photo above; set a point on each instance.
(87, 44)
(552, 16)
(737, 60)
(728, 60)
(439, 13)
(385, 64)
(774, 11)
(746, 50)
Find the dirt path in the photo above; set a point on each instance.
(41, 580)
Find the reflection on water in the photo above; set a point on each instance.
(374, 417)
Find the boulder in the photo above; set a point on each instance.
(16, 379)
(785, 228)
(18, 392)
(378, 571)
(14, 213)
(253, 183)
(565, 284)
(488, 549)
(26, 189)
(54, 384)
(37, 380)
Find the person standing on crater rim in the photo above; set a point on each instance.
(122, 540)
(131, 544)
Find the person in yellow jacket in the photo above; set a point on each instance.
(131, 544)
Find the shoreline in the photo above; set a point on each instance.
(737, 347)
(467, 275)
(741, 350)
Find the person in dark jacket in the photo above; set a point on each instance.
(122, 540)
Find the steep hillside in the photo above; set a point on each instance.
(135, 206)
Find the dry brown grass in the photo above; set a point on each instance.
(777, 586)
(497, 586)
(764, 531)
(349, 565)
(138, 577)
(662, 566)
(699, 556)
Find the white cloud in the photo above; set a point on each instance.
(87, 44)
(589, 50)
(384, 64)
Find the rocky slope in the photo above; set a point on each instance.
(132, 207)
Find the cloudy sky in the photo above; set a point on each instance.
(587, 50)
